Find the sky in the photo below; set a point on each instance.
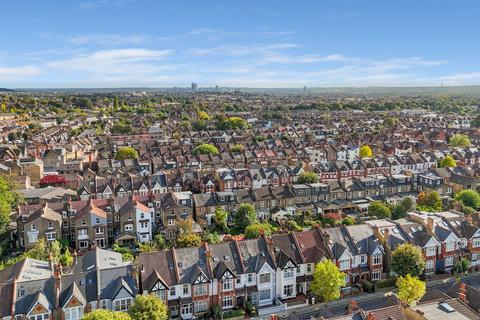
(239, 43)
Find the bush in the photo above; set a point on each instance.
(367, 286)
(251, 310)
(386, 283)
(233, 313)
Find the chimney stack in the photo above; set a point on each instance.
(462, 293)
(352, 306)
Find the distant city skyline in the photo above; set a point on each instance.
(264, 44)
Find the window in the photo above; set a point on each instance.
(171, 222)
(429, 265)
(32, 238)
(288, 273)
(97, 220)
(122, 304)
(142, 215)
(264, 295)
(83, 244)
(238, 280)
(250, 277)
(288, 290)
(33, 227)
(201, 306)
(84, 222)
(103, 304)
(265, 278)
(39, 317)
(74, 313)
(474, 256)
(377, 259)
(227, 302)
(430, 251)
(448, 261)
(161, 294)
(50, 236)
(50, 225)
(309, 268)
(186, 309)
(82, 232)
(476, 242)
(172, 291)
(299, 270)
(227, 284)
(363, 259)
(345, 264)
(376, 275)
(98, 230)
(200, 289)
(129, 227)
(450, 246)
(185, 289)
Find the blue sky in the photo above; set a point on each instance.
(263, 43)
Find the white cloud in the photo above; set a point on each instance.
(118, 64)
(17, 73)
(113, 39)
(241, 50)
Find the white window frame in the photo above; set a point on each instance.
(74, 313)
(122, 304)
(227, 302)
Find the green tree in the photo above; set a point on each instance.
(185, 240)
(245, 215)
(237, 148)
(365, 151)
(327, 280)
(254, 230)
(159, 242)
(348, 221)
(410, 289)
(407, 259)
(148, 307)
(102, 314)
(9, 199)
(221, 219)
(400, 210)
(126, 153)
(469, 198)
(307, 177)
(447, 162)
(379, 210)
(460, 140)
(66, 258)
(430, 202)
(205, 148)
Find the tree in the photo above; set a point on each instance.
(237, 148)
(205, 148)
(410, 289)
(307, 177)
(447, 162)
(254, 230)
(407, 259)
(429, 201)
(102, 314)
(327, 280)
(245, 215)
(400, 210)
(66, 258)
(185, 240)
(469, 198)
(126, 153)
(159, 242)
(460, 140)
(379, 210)
(9, 199)
(348, 221)
(365, 151)
(221, 219)
(148, 307)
